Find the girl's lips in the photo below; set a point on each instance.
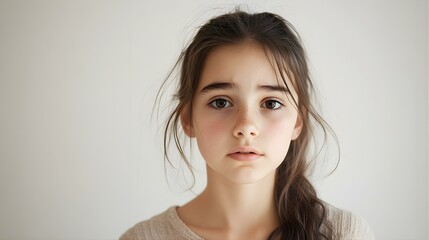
(244, 156)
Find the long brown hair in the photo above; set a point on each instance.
(302, 214)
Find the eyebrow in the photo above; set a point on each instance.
(218, 86)
(225, 85)
(274, 88)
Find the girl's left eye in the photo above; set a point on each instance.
(272, 104)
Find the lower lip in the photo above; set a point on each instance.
(244, 156)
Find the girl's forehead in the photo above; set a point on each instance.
(244, 63)
(227, 53)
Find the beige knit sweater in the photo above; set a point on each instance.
(168, 225)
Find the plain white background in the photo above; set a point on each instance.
(80, 158)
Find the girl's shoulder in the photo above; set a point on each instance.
(348, 225)
(166, 225)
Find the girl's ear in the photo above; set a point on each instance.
(186, 122)
(298, 127)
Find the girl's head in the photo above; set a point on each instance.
(245, 87)
(241, 105)
(262, 32)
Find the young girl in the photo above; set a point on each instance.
(244, 95)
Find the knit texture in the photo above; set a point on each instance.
(168, 225)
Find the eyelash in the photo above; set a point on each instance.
(278, 104)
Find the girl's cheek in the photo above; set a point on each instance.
(211, 123)
(215, 126)
(279, 127)
(214, 119)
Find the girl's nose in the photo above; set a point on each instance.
(245, 126)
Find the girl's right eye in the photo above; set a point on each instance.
(220, 103)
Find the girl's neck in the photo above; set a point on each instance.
(238, 208)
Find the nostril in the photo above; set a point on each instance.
(242, 132)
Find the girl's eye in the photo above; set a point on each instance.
(272, 104)
(220, 103)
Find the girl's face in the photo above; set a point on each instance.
(243, 119)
